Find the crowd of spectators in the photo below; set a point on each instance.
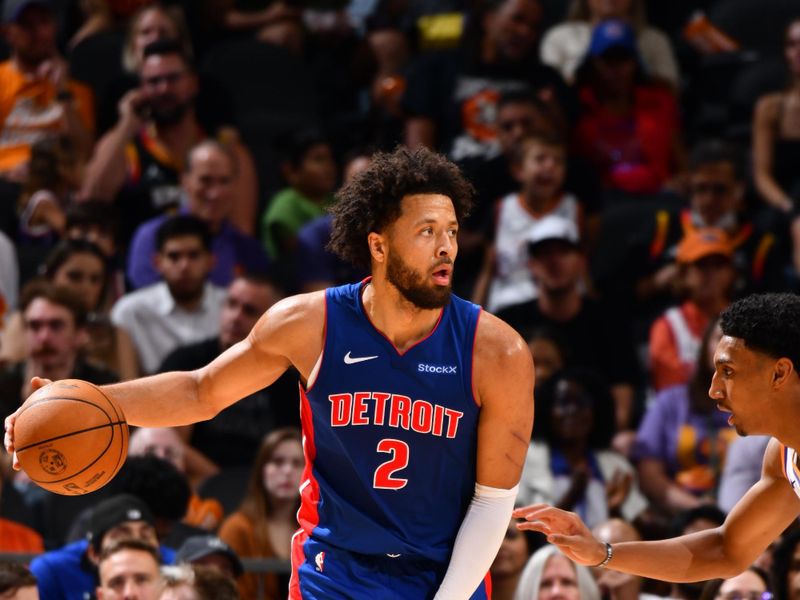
(165, 173)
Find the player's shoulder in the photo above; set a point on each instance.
(497, 341)
(299, 308)
(773, 458)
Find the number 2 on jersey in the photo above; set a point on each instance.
(384, 478)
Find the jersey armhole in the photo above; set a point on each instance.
(472, 360)
(312, 377)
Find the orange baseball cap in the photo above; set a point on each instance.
(700, 243)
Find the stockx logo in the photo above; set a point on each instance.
(438, 369)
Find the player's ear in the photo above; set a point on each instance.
(377, 246)
(782, 371)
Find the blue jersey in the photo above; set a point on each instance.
(390, 437)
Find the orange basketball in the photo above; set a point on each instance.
(70, 437)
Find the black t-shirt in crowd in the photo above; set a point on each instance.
(232, 437)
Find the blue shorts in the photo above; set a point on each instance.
(323, 572)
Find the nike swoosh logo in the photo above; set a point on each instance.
(351, 360)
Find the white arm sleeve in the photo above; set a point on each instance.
(477, 542)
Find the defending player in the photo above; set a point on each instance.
(416, 406)
(757, 381)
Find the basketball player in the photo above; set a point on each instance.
(416, 406)
(757, 381)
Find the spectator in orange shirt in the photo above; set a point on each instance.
(708, 275)
(37, 97)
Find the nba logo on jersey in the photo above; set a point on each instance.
(319, 560)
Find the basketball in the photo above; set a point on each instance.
(70, 437)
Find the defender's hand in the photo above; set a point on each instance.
(563, 529)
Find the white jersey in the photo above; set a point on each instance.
(789, 456)
(512, 282)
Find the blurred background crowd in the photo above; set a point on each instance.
(165, 170)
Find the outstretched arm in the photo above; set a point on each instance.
(503, 386)
(289, 333)
(757, 519)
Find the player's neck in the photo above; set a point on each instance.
(403, 323)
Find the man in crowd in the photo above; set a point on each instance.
(594, 338)
(207, 186)
(129, 570)
(184, 307)
(139, 161)
(70, 572)
(232, 437)
(55, 331)
(38, 97)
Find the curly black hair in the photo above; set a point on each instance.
(372, 200)
(767, 323)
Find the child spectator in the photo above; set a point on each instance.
(310, 172)
(54, 174)
(707, 275)
(540, 169)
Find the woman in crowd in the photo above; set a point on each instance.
(776, 143)
(266, 520)
(81, 266)
(549, 575)
(570, 463)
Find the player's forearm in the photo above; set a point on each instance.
(163, 400)
(695, 557)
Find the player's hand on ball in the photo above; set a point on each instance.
(563, 529)
(8, 438)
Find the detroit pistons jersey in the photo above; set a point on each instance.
(390, 437)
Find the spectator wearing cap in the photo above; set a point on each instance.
(210, 551)
(70, 572)
(633, 264)
(594, 337)
(707, 277)
(565, 44)
(539, 166)
(629, 128)
(38, 97)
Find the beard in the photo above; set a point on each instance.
(171, 113)
(186, 292)
(412, 285)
